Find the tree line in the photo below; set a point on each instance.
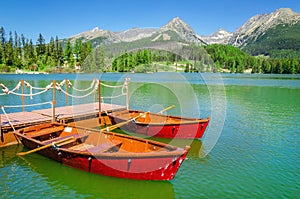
(19, 52)
(237, 61)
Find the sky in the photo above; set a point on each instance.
(65, 18)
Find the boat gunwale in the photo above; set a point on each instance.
(173, 150)
(183, 120)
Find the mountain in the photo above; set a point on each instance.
(95, 34)
(175, 30)
(259, 25)
(261, 34)
(183, 30)
(219, 37)
(135, 34)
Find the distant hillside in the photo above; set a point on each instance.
(281, 41)
(271, 34)
(275, 34)
(175, 30)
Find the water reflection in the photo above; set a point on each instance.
(62, 181)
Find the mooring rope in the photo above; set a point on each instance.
(27, 105)
(76, 96)
(84, 90)
(33, 87)
(58, 86)
(111, 86)
(6, 91)
(30, 94)
(12, 126)
(112, 97)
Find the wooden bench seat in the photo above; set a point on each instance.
(111, 146)
(45, 131)
(81, 147)
(60, 138)
(104, 147)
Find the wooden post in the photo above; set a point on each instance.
(23, 98)
(101, 120)
(67, 97)
(99, 97)
(95, 92)
(127, 92)
(1, 129)
(54, 101)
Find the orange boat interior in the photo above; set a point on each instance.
(152, 118)
(92, 141)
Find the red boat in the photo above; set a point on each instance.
(104, 153)
(160, 125)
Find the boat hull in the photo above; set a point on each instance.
(154, 168)
(183, 130)
(138, 166)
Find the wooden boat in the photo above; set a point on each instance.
(160, 125)
(105, 153)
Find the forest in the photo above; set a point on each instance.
(18, 52)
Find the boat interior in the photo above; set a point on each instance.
(149, 117)
(92, 141)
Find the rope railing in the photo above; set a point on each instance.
(76, 96)
(94, 86)
(63, 87)
(59, 86)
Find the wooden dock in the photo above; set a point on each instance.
(65, 114)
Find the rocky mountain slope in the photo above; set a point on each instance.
(134, 34)
(259, 24)
(255, 32)
(219, 37)
(183, 30)
(176, 29)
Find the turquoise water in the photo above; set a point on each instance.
(257, 154)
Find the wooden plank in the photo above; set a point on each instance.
(45, 131)
(22, 119)
(79, 110)
(66, 113)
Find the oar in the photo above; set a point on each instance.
(110, 128)
(168, 108)
(45, 146)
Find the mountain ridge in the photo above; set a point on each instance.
(260, 23)
(252, 31)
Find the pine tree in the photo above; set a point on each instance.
(68, 54)
(31, 54)
(77, 50)
(58, 52)
(84, 52)
(17, 61)
(9, 53)
(40, 46)
(2, 45)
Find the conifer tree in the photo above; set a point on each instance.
(68, 54)
(40, 46)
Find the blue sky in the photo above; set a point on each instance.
(65, 18)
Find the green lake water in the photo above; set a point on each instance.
(251, 148)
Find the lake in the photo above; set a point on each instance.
(250, 150)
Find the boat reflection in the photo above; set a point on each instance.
(196, 151)
(8, 154)
(96, 186)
